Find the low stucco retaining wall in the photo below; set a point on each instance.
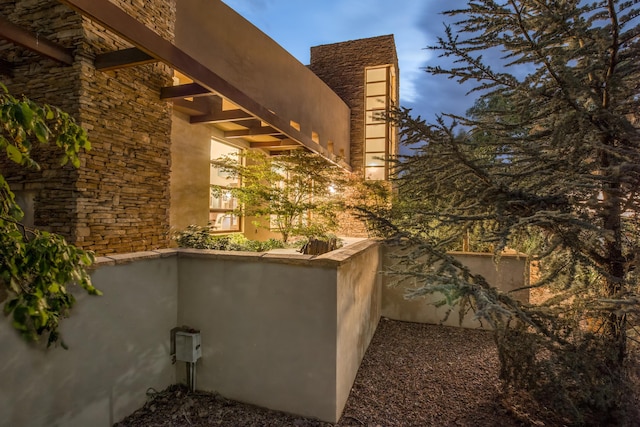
(510, 273)
(118, 348)
(282, 331)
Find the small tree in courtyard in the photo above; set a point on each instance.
(36, 267)
(548, 163)
(295, 193)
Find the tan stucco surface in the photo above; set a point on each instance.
(233, 48)
(359, 306)
(286, 332)
(268, 332)
(510, 273)
(118, 348)
(190, 165)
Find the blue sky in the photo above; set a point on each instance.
(299, 24)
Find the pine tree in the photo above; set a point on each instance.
(548, 163)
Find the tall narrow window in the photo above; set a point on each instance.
(379, 136)
(221, 207)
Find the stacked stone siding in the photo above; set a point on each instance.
(45, 81)
(118, 201)
(341, 66)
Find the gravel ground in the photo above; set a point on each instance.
(412, 375)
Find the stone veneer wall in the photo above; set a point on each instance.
(341, 66)
(47, 81)
(118, 201)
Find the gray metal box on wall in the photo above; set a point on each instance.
(188, 348)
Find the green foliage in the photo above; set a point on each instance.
(294, 193)
(548, 163)
(198, 237)
(36, 266)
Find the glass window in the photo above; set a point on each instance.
(378, 88)
(375, 116)
(221, 206)
(377, 74)
(374, 159)
(378, 138)
(376, 145)
(375, 173)
(376, 102)
(376, 131)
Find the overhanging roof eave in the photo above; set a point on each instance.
(128, 28)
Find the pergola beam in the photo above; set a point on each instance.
(242, 133)
(189, 90)
(222, 116)
(280, 145)
(34, 42)
(122, 58)
(115, 19)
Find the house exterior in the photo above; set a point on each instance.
(165, 86)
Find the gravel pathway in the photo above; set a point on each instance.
(412, 375)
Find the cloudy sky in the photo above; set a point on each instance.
(299, 24)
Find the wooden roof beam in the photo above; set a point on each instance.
(280, 145)
(34, 42)
(222, 116)
(242, 133)
(189, 90)
(122, 58)
(196, 107)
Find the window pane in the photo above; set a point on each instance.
(225, 202)
(374, 159)
(375, 173)
(378, 145)
(221, 221)
(376, 102)
(376, 74)
(379, 88)
(376, 131)
(375, 116)
(216, 176)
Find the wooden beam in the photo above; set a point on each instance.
(280, 145)
(34, 42)
(222, 116)
(189, 90)
(192, 108)
(6, 68)
(265, 130)
(122, 59)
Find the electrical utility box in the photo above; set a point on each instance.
(188, 348)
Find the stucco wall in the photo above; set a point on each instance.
(359, 292)
(190, 168)
(285, 332)
(118, 348)
(509, 274)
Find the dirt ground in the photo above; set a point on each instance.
(412, 375)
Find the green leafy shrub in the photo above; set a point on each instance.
(37, 268)
(198, 237)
